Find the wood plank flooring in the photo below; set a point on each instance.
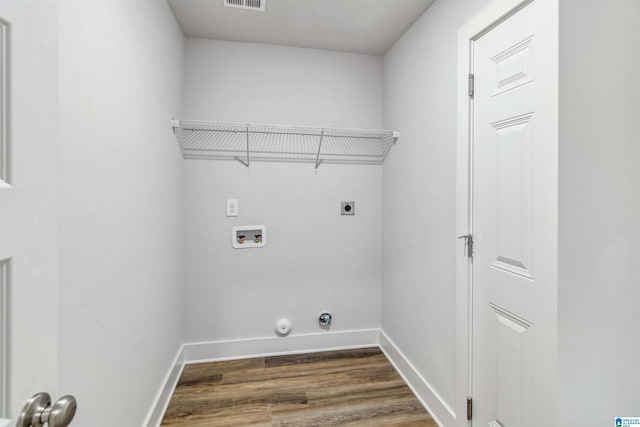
(339, 388)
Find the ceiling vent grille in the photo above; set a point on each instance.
(256, 5)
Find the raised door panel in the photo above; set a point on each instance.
(513, 368)
(513, 192)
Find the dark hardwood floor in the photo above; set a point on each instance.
(339, 388)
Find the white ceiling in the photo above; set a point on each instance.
(360, 26)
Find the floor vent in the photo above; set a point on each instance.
(257, 5)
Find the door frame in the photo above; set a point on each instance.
(488, 18)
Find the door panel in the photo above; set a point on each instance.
(29, 208)
(513, 367)
(513, 67)
(513, 181)
(514, 219)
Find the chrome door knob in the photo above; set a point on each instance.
(38, 411)
(61, 413)
(32, 409)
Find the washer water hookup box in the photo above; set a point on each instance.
(249, 236)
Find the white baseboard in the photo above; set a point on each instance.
(273, 346)
(442, 414)
(161, 402)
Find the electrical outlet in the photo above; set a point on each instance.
(232, 207)
(347, 208)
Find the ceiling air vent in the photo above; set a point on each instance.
(257, 5)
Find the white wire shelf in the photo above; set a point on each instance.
(247, 142)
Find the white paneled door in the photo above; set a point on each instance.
(29, 133)
(514, 187)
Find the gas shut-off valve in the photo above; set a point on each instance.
(325, 320)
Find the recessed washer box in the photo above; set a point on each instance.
(249, 236)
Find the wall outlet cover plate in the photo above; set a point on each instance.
(232, 207)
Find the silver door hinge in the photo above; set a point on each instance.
(471, 85)
(469, 408)
(468, 243)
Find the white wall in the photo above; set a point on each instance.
(599, 212)
(28, 211)
(315, 259)
(121, 265)
(419, 190)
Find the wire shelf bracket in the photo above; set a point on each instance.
(246, 143)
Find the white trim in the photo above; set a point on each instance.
(5, 125)
(424, 392)
(161, 402)
(463, 227)
(493, 14)
(214, 351)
